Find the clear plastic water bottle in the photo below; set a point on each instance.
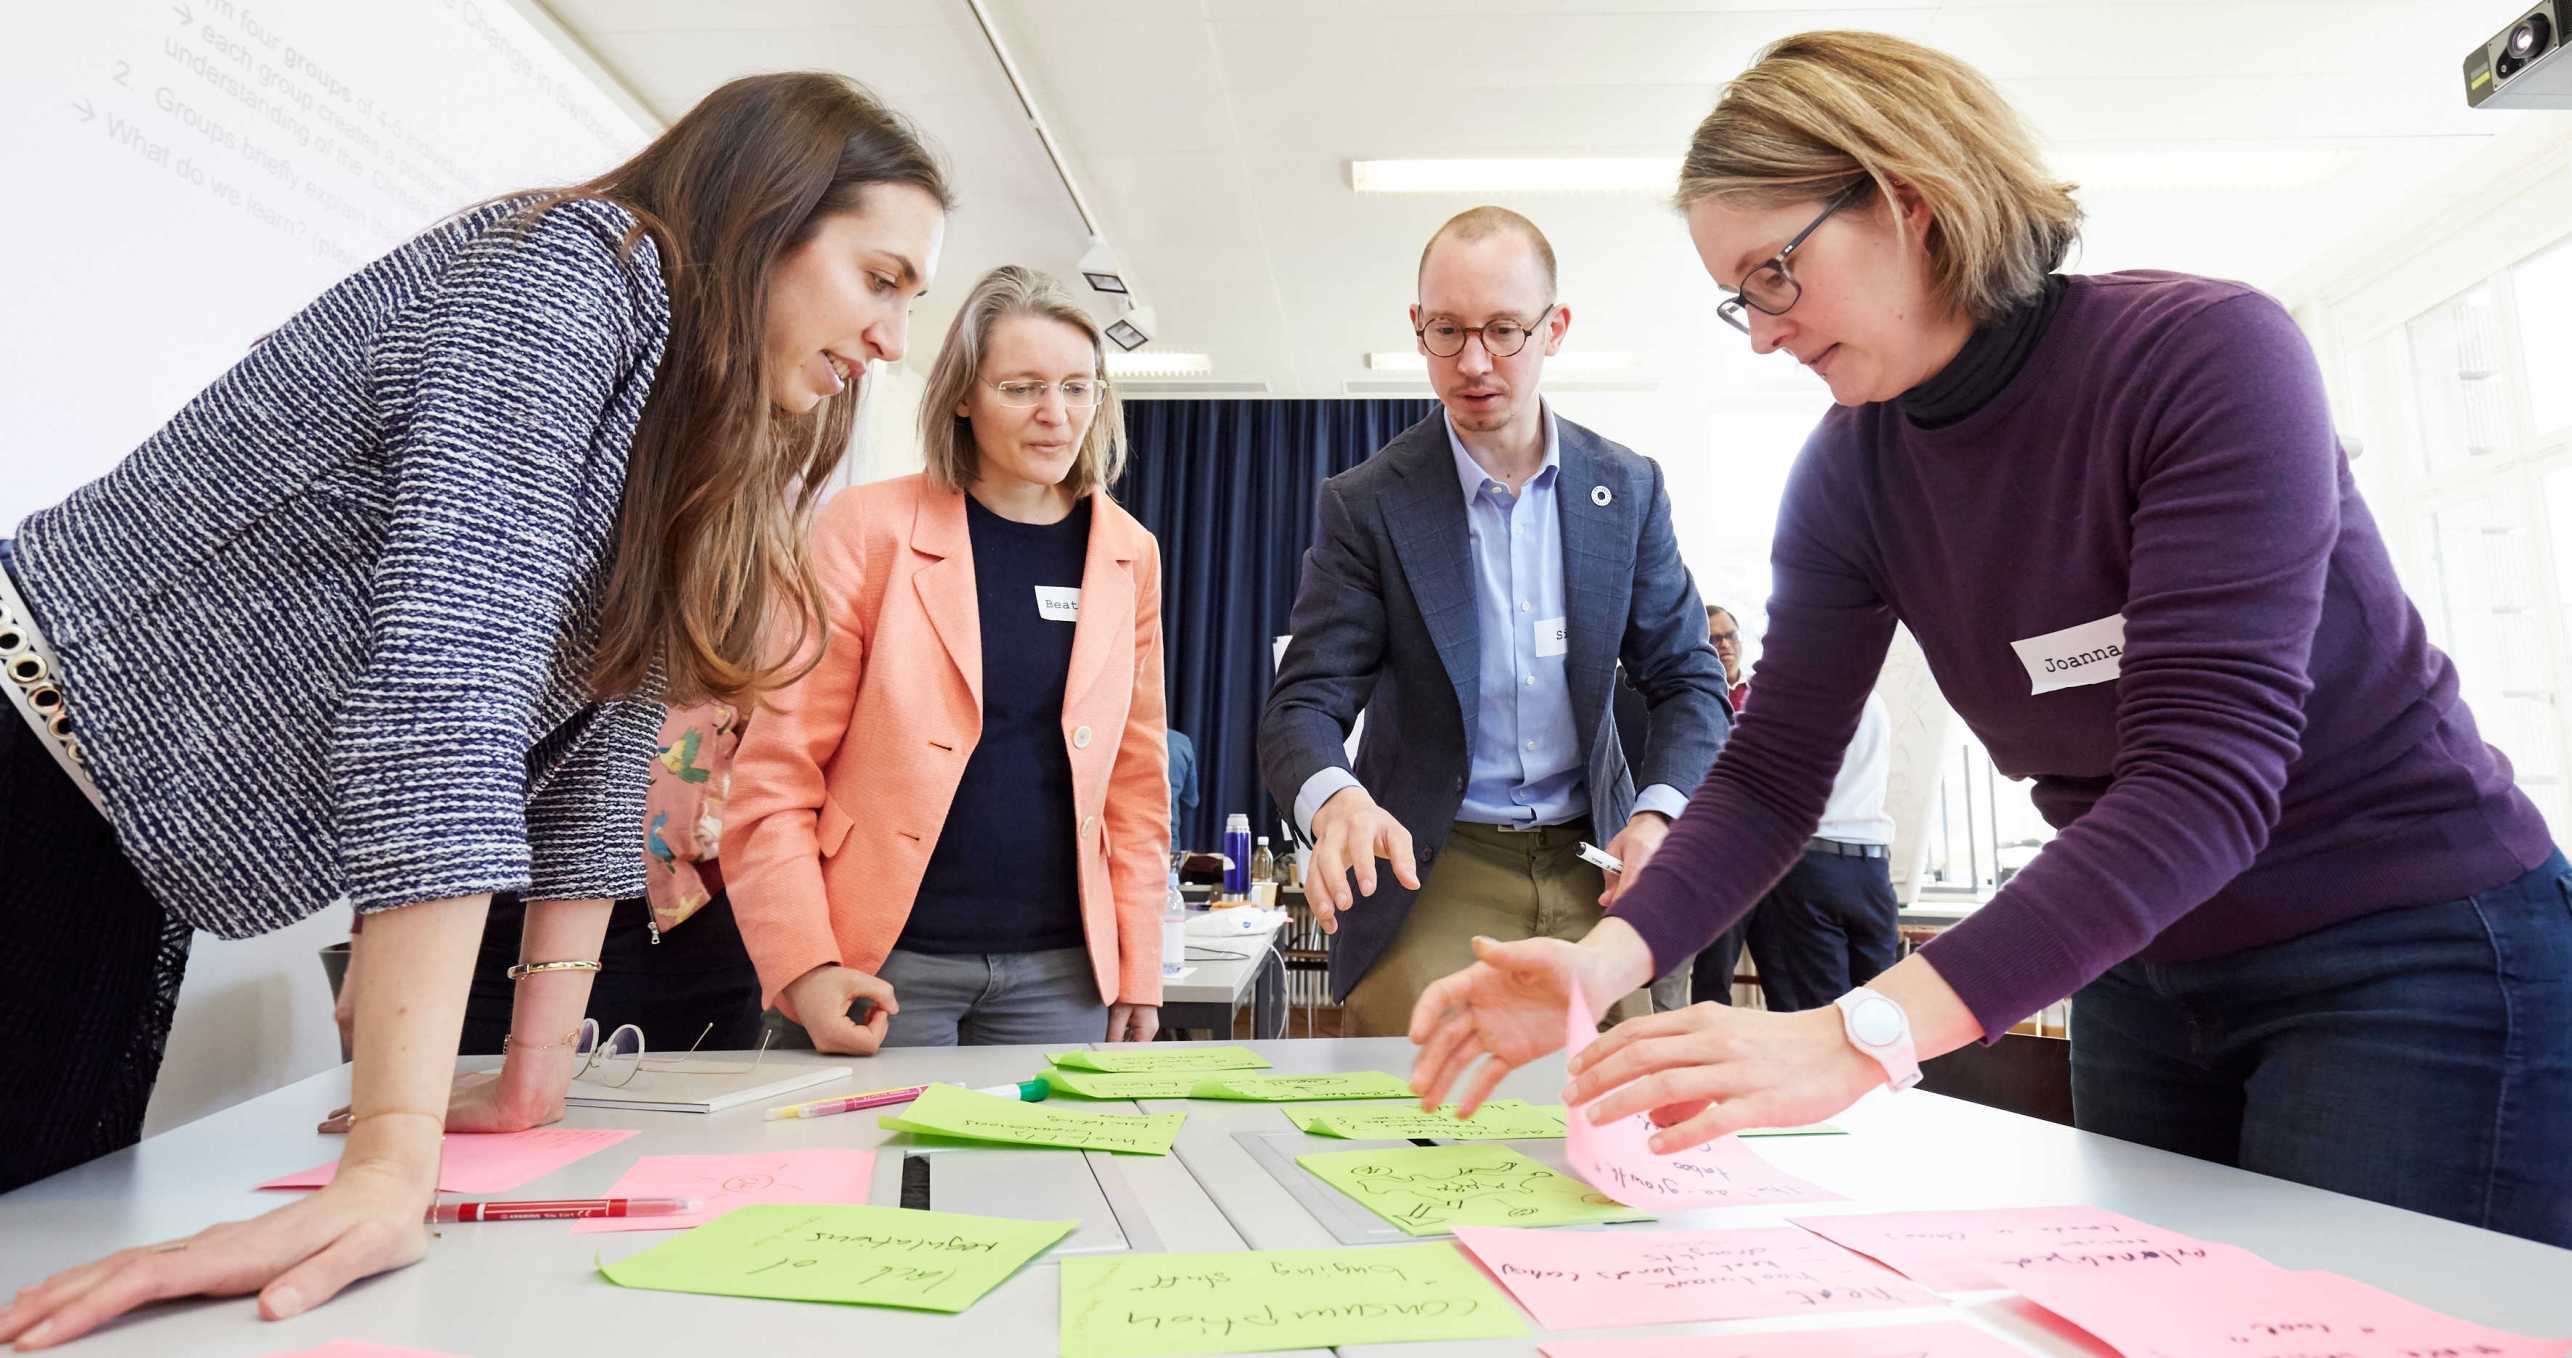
(1174, 929)
(1263, 872)
(1236, 852)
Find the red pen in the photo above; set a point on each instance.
(556, 1209)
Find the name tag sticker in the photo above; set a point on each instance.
(1553, 637)
(1055, 603)
(2075, 656)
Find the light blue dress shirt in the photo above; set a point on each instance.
(1527, 768)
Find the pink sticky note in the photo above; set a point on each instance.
(724, 1182)
(1938, 1339)
(1964, 1251)
(1574, 1280)
(1618, 1159)
(492, 1162)
(2258, 1313)
(359, 1348)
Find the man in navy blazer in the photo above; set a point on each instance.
(1473, 587)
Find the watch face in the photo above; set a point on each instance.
(1876, 1022)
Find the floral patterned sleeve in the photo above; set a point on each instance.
(683, 810)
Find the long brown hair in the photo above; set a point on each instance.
(720, 486)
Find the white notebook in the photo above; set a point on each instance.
(679, 1091)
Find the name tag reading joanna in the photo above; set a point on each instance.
(2087, 654)
(1055, 603)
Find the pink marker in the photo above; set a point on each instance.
(1030, 1091)
(559, 1208)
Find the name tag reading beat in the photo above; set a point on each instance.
(1553, 637)
(2075, 656)
(1056, 603)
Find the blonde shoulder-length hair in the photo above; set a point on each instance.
(953, 460)
(1819, 112)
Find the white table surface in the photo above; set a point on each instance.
(1221, 980)
(530, 1287)
(502, 1289)
(1919, 1151)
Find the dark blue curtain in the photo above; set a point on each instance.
(1229, 488)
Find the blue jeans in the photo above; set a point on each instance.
(2420, 1057)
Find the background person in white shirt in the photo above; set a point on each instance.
(1831, 923)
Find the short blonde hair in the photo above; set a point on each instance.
(946, 438)
(1820, 112)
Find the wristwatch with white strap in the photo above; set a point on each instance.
(1877, 1026)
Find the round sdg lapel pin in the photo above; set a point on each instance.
(1599, 496)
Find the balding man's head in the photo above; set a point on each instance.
(1482, 223)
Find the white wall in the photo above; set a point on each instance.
(186, 174)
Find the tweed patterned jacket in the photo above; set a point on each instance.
(326, 634)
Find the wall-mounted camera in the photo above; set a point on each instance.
(2523, 65)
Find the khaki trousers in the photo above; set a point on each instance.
(1506, 884)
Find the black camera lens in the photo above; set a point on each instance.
(2531, 37)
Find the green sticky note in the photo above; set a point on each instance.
(1304, 1115)
(1142, 1058)
(1149, 1305)
(870, 1256)
(950, 1110)
(1090, 1084)
(1429, 1189)
(1498, 1120)
(1360, 1084)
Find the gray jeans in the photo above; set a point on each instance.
(982, 999)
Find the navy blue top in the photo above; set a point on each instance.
(1005, 876)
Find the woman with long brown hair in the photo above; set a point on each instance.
(387, 613)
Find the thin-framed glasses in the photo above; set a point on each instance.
(613, 1060)
(1442, 336)
(1079, 393)
(1770, 289)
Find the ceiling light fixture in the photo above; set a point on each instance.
(1583, 174)
(1159, 365)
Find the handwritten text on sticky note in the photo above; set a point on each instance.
(1152, 1305)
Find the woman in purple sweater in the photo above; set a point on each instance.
(2310, 926)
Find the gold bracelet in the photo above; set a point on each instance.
(570, 1039)
(525, 969)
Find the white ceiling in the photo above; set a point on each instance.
(1212, 137)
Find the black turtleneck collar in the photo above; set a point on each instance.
(1989, 359)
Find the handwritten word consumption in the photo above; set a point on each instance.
(1575, 1280)
(1160, 1061)
(1428, 1190)
(1496, 1120)
(1152, 1305)
(1618, 1160)
(2259, 1312)
(1938, 1339)
(1970, 1250)
(868, 1256)
(1363, 1084)
(950, 1110)
(720, 1183)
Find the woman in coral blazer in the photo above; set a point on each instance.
(958, 822)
